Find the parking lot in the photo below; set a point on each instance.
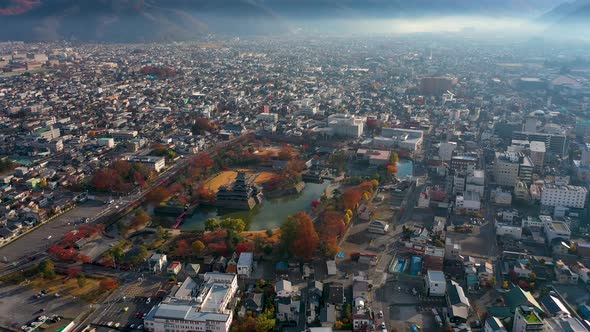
(29, 307)
(125, 314)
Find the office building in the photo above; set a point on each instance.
(433, 86)
(463, 163)
(555, 144)
(538, 155)
(564, 195)
(346, 125)
(511, 167)
(407, 139)
(151, 162)
(445, 150)
(196, 307)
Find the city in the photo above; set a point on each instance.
(310, 183)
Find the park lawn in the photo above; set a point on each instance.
(221, 179)
(63, 287)
(250, 235)
(264, 177)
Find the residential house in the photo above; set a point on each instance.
(494, 324)
(245, 264)
(457, 303)
(157, 262)
(287, 302)
(435, 283)
(254, 302)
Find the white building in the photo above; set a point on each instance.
(435, 282)
(207, 311)
(564, 195)
(556, 229)
(526, 319)
(469, 202)
(508, 230)
(511, 167)
(445, 150)
(347, 125)
(288, 300)
(408, 139)
(106, 141)
(245, 264)
(152, 162)
(494, 324)
(158, 262)
(538, 154)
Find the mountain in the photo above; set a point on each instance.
(159, 20)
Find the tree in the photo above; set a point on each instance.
(204, 161)
(265, 321)
(47, 269)
(182, 248)
(285, 154)
(307, 240)
(140, 219)
(233, 224)
(74, 271)
(350, 198)
(245, 246)
(81, 279)
(43, 183)
(108, 284)
(197, 247)
(158, 195)
(201, 126)
(212, 224)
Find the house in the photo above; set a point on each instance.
(192, 270)
(174, 268)
(254, 302)
(328, 315)
(335, 293)
(288, 300)
(517, 297)
(157, 262)
(219, 264)
(232, 265)
(245, 264)
(494, 324)
(564, 275)
(457, 303)
(435, 283)
(527, 319)
(378, 227)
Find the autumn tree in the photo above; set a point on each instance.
(140, 219)
(299, 236)
(197, 247)
(182, 248)
(233, 224)
(245, 246)
(108, 284)
(203, 160)
(265, 321)
(285, 154)
(47, 269)
(212, 224)
(158, 195)
(350, 198)
(200, 126)
(81, 279)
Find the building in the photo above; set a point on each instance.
(204, 308)
(407, 139)
(435, 283)
(564, 195)
(245, 264)
(445, 150)
(494, 324)
(375, 157)
(555, 144)
(123, 135)
(106, 141)
(433, 258)
(158, 262)
(346, 125)
(434, 86)
(151, 162)
(174, 268)
(556, 229)
(48, 133)
(288, 301)
(461, 164)
(538, 155)
(530, 124)
(511, 167)
(469, 202)
(527, 319)
(457, 303)
(378, 227)
(242, 194)
(564, 275)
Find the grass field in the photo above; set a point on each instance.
(228, 177)
(221, 179)
(65, 288)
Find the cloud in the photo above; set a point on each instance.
(18, 7)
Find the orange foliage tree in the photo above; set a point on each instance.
(158, 195)
(299, 237)
(108, 284)
(350, 198)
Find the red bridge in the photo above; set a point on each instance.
(179, 220)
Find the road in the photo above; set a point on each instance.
(38, 240)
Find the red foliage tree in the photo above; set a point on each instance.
(350, 198)
(245, 246)
(85, 259)
(331, 225)
(183, 248)
(108, 284)
(122, 167)
(158, 195)
(307, 240)
(203, 160)
(74, 271)
(107, 179)
(61, 253)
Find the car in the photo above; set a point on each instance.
(138, 314)
(149, 299)
(140, 327)
(57, 295)
(132, 326)
(117, 324)
(109, 324)
(380, 314)
(383, 325)
(42, 310)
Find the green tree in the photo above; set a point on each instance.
(197, 247)
(265, 322)
(233, 224)
(81, 278)
(47, 269)
(211, 224)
